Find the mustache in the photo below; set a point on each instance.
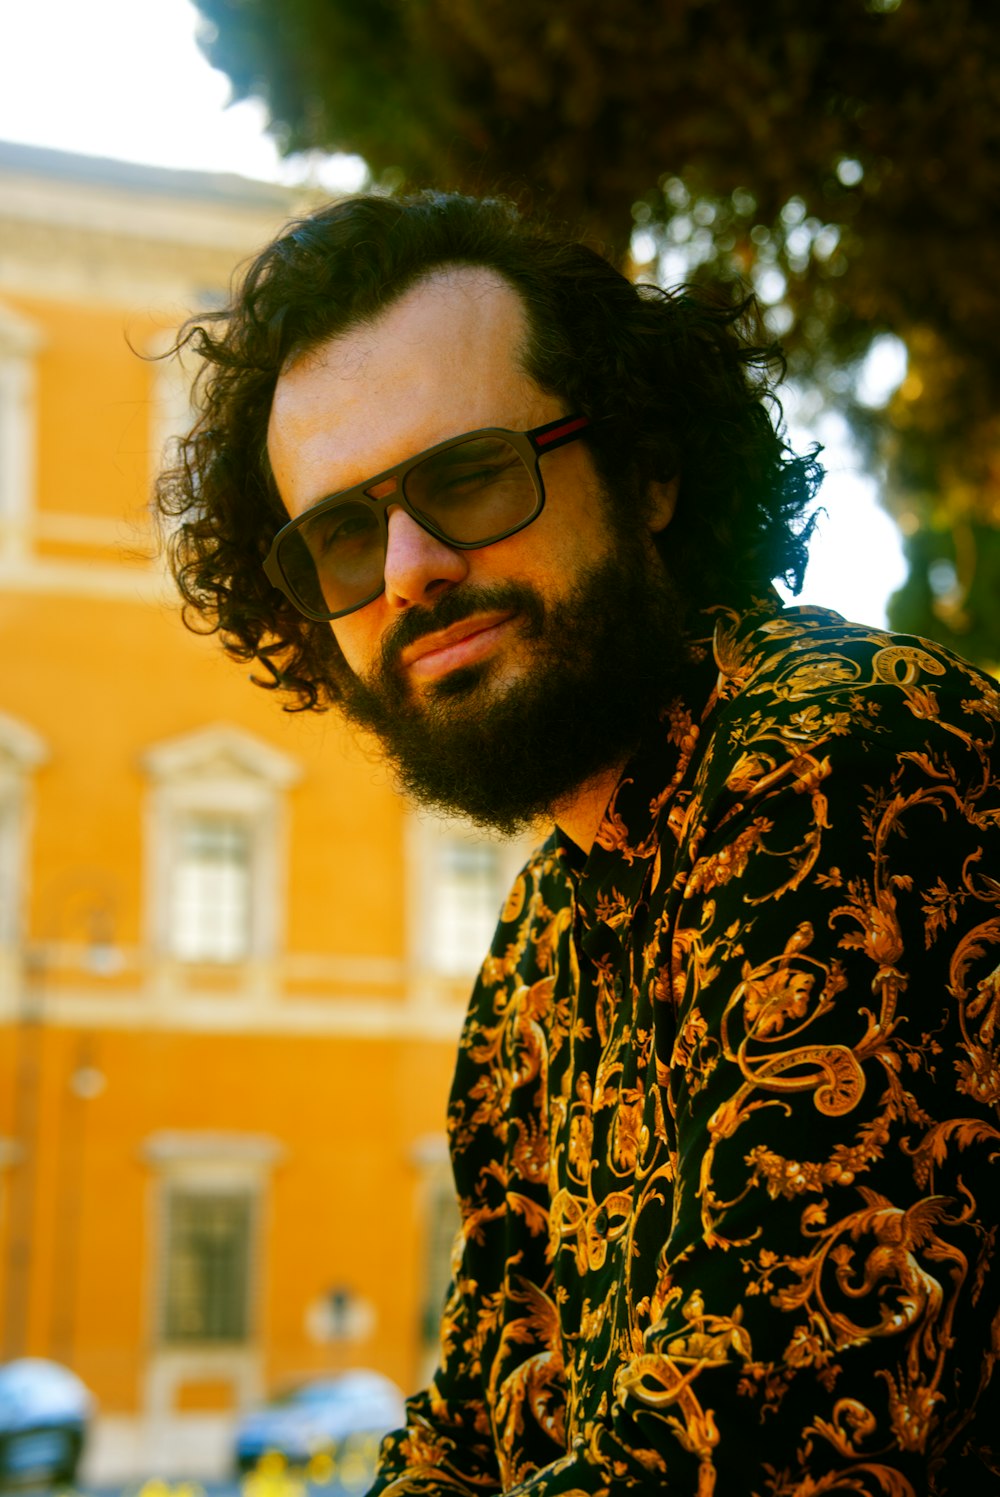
(455, 605)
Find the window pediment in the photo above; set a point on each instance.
(220, 753)
(173, 1147)
(21, 749)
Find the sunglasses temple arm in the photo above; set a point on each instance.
(558, 433)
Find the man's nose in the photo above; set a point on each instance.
(418, 567)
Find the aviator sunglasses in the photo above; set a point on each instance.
(469, 491)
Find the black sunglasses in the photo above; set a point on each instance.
(469, 491)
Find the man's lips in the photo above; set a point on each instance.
(463, 643)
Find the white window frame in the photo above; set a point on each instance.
(20, 342)
(21, 753)
(427, 836)
(219, 771)
(197, 935)
(211, 1163)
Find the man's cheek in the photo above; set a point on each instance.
(347, 652)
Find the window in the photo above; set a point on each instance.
(210, 1202)
(458, 882)
(206, 1281)
(215, 846)
(21, 751)
(468, 893)
(210, 916)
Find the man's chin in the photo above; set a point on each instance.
(502, 741)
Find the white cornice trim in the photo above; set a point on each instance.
(106, 232)
(332, 970)
(220, 750)
(79, 579)
(173, 1146)
(143, 277)
(118, 531)
(364, 1017)
(166, 218)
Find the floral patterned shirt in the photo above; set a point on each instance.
(725, 1125)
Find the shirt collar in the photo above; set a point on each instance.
(612, 880)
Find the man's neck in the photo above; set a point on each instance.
(581, 813)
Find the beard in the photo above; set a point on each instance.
(596, 668)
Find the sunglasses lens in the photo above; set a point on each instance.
(333, 560)
(474, 492)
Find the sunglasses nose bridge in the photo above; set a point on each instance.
(388, 489)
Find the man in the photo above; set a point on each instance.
(724, 1123)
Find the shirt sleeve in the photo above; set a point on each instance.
(446, 1447)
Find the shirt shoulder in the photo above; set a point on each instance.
(812, 656)
(811, 715)
(806, 677)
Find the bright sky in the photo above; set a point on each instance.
(125, 78)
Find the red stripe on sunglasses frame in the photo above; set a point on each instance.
(559, 431)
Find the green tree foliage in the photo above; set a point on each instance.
(844, 157)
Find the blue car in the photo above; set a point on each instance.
(339, 1418)
(44, 1413)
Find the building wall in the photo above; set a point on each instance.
(314, 1073)
(340, 1196)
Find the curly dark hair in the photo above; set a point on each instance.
(686, 379)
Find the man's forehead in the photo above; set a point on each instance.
(449, 303)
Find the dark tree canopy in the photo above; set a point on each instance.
(845, 157)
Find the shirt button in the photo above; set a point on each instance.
(601, 1221)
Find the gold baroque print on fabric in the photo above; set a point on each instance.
(725, 1122)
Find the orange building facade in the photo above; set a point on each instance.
(233, 963)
